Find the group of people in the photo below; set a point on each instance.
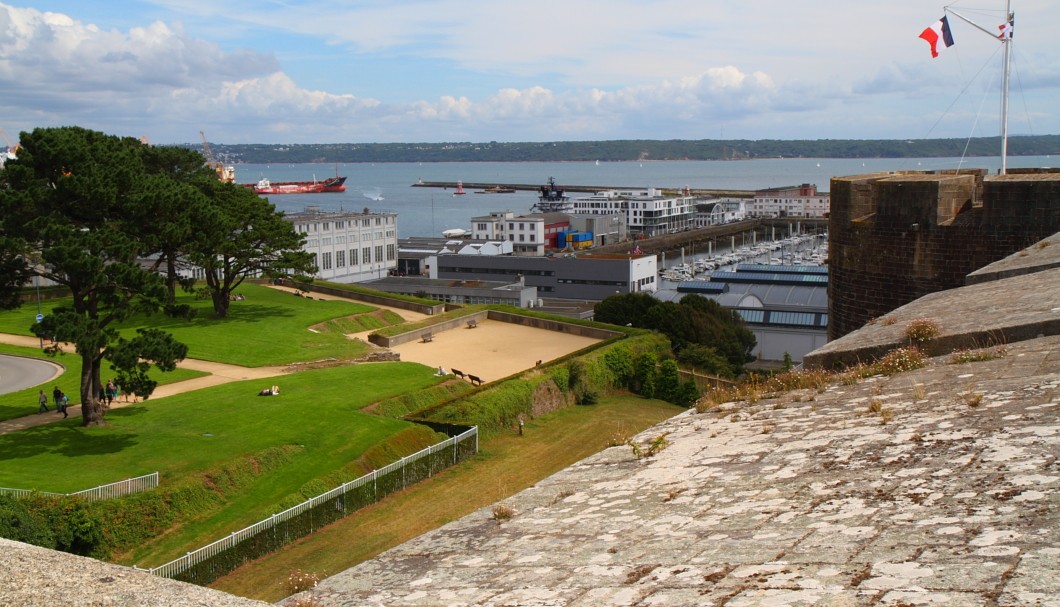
(61, 402)
(107, 394)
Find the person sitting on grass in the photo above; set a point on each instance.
(273, 391)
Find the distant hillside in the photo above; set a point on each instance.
(622, 150)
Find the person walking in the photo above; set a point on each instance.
(61, 403)
(42, 398)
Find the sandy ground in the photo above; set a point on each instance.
(491, 351)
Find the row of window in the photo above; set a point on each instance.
(508, 271)
(325, 258)
(611, 283)
(340, 224)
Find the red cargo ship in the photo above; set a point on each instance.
(331, 184)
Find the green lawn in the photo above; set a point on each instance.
(24, 402)
(269, 327)
(187, 436)
(186, 433)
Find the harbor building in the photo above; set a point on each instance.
(718, 211)
(348, 246)
(569, 276)
(463, 292)
(789, 201)
(785, 307)
(417, 254)
(648, 212)
(530, 235)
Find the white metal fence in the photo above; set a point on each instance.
(372, 486)
(103, 492)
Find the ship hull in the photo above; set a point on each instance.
(332, 184)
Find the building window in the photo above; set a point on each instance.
(353, 257)
(326, 265)
(366, 255)
(379, 253)
(340, 259)
(390, 252)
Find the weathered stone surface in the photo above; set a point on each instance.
(949, 498)
(38, 577)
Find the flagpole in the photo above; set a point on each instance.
(1006, 39)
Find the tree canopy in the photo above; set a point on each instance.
(702, 333)
(71, 199)
(104, 217)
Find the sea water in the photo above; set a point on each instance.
(429, 211)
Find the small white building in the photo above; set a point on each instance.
(529, 234)
(790, 201)
(718, 211)
(647, 212)
(349, 246)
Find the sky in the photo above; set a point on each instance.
(384, 71)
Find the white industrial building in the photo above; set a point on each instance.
(349, 246)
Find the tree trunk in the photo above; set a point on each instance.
(171, 279)
(220, 303)
(91, 408)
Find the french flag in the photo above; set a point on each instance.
(938, 32)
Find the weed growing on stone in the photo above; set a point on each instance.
(979, 355)
(653, 447)
(618, 437)
(972, 399)
(300, 581)
(900, 360)
(875, 406)
(921, 331)
(918, 392)
(502, 512)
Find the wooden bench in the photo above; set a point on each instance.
(471, 324)
(427, 337)
(475, 381)
(458, 373)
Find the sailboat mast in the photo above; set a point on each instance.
(1006, 39)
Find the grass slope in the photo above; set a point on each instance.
(507, 464)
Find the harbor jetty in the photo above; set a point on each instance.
(590, 189)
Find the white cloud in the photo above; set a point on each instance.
(503, 70)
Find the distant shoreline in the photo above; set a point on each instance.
(628, 151)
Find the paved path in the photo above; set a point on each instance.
(219, 373)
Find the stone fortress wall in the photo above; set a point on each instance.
(895, 237)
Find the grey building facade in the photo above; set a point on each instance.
(580, 277)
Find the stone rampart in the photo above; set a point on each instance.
(895, 237)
